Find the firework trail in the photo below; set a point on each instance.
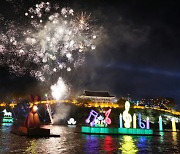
(51, 41)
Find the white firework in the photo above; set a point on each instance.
(50, 41)
(59, 90)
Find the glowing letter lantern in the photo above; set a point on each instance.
(147, 123)
(120, 121)
(126, 116)
(173, 124)
(108, 120)
(94, 114)
(141, 124)
(134, 120)
(160, 124)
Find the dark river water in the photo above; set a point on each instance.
(71, 142)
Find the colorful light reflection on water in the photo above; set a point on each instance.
(108, 144)
(71, 142)
(127, 145)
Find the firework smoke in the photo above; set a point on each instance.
(61, 113)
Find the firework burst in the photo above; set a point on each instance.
(51, 40)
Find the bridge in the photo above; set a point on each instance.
(13, 104)
(90, 104)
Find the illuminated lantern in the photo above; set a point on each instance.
(97, 122)
(141, 124)
(32, 120)
(7, 117)
(100, 122)
(120, 121)
(107, 119)
(93, 114)
(34, 109)
(7, 114)
(147, 123)
(71, 122)
(134, 120)
(126, 116)
(7, 120)
(173, 124)
(160, 124)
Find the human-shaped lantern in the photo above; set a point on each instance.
(32, 120)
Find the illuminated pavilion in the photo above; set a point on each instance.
(98, 96)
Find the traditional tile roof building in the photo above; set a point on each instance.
(98, 96)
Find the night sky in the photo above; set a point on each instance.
(138, 56)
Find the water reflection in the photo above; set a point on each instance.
(32, 147)
(4, 127)
(127, 146)
(92, 144)
(142, 142)
(6, 124)
(174, 137)
(109, 144)
(116, 144)
(161, 137)
(100, 143)
(71, 142)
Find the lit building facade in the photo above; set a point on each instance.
(98, 96)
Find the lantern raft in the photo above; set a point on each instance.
(127, 120)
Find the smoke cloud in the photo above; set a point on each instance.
(61, 113)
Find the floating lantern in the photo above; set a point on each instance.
(71, 122)
(120, 121)
(7, 117)
(147, 123)
(173, 124)
(7, 114)
(126, 116)
(7, 120)
(107, 119)
(32, 120)
(141, 124)
(160, 124)
(134, 121)
(98, 121)
(93, 114)
(34, 109)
